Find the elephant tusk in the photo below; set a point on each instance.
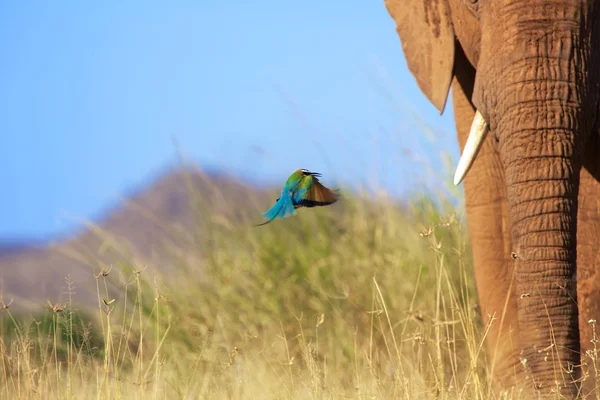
(479, 129)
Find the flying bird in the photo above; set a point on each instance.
(302, 189)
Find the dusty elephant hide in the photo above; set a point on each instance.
(531, 69)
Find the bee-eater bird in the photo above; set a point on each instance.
(302, 189)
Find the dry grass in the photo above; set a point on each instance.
(365, 299)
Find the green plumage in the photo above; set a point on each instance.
(302, 189)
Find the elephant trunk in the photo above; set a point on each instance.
(542, 174)
(533, 97)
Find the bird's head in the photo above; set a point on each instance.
(306, 172)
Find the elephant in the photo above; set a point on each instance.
(525, 80)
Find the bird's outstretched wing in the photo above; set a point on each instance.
(317, 195)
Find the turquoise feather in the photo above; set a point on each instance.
(302, 189)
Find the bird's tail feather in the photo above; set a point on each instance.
(281, 209)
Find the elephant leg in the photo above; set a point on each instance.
(588, 265)
(491, 241)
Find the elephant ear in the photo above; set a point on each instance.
(427, 37)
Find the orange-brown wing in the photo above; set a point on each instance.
(319, 195)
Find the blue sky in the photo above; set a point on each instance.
(93, 93)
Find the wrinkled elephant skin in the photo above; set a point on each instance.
(532, 69)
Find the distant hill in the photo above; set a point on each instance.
(171, 208)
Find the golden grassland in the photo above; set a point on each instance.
(365, 299)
